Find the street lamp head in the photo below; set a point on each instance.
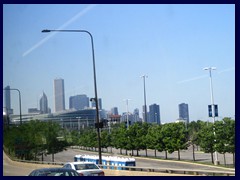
(46, 31)
(144, 76)
(209, 68)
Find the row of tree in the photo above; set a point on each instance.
(37, 138)
(169, 137)
(32, 139)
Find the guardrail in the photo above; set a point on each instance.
(171, 171)
(144, 169)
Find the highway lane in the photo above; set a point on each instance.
(12, 168)
(68, 155)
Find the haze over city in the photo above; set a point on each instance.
(171, 44)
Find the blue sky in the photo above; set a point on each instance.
(169, 43)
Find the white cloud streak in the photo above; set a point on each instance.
(192, 79)
(74, 18)
(204, 76)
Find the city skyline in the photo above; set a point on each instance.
(162, 41)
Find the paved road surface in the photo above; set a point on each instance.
(13, 168)
(68, 155)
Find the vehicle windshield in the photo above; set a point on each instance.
(85, 166)
(54, 173)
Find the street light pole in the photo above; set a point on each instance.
(20, 106)
(145, 104)
(127, 112)
(95, 84)
(212, 105)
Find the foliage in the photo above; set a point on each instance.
(34, 138)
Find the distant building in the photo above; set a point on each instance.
(114, 111)
(127, 118)
(114, 119)
(7, 101)
(99, 103)
(136, 115)
(43, 104)
(59, 95)
(154, 114)
(33, 111)
(79, 102)
(183, 112)
(68, 119)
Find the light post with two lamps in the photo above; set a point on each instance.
(145, 104)
(216, 162)
(95, 84)
(127, 112)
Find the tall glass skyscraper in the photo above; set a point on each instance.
(79, 102)
(43, 104)
(59, 95)
(154, 114)
(114, 111)
(7, 100)
(183, 112)
(136, 115)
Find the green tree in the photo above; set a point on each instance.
(105, 139)
(53, 144)
(225, 135)
(119, 135)
(175, 137)
(155, 139)
(35, 133)
(131, 137)
(193, 139)
(207, 139)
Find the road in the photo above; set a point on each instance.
(68, 155)
(18, 169)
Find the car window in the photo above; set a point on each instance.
(67, 166)
(91, 166)
(85, 166)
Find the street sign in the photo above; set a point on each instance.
(210, 110)
(210, 113)
(216, 110)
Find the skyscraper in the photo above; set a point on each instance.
(136, 115)
(183, 112)
(78, 102)
(154, 114)
(59, 95)
(43, 104)
(114, 111)
(7, 100)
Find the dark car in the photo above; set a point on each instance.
(53, 172)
